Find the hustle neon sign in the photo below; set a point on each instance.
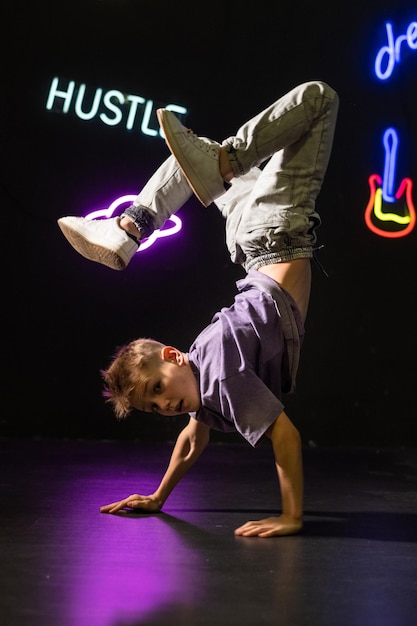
(390, 212)
(171, 226)
(112, 107)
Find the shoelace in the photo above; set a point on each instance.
(205, 145)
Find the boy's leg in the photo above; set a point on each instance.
(270, 213)
(295, 135)
(278, 219)
(104, 241)
(164, 194)
(273, 228)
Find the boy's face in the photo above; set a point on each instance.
(170, 387)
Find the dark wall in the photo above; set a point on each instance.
(64, 316)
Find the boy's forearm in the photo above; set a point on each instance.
(286, 442)
(290, 473)
(177, 468)
(183, 457)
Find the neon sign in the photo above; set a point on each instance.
(400, 219)
(112, 107)
(391, 213)
(390, 54)
(166, 231)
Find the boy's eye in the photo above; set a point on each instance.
(157, 387)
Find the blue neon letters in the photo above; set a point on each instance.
(390, 54)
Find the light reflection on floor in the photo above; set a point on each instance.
(147, 568)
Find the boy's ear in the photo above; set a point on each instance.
(172, 355)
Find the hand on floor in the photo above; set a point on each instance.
(145, 503)
(270, 527)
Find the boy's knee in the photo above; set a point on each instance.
(327, 92)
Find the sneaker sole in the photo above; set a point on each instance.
(90, 250)
(199, 189)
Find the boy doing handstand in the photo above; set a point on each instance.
(265, 181)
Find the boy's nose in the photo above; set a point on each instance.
(165, 405)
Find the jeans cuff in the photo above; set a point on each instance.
(141, 218)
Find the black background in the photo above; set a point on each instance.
(63, 316)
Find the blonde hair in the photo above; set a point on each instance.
(128, 368)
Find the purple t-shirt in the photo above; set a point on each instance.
(238, 360)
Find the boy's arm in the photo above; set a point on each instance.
(190, 443)
(286, 443)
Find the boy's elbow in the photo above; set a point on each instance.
(202, 441)
(283, 433)
(199, 439)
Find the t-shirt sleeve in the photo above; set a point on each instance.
(248, 402)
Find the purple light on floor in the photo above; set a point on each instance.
(166, 231)
(147, 577)
(126, 570)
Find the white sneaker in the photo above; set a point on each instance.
(198, 157)
(99, 240)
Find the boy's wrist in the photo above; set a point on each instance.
(159, 499)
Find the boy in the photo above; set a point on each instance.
(237, 369)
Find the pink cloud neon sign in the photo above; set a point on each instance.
(114, 208)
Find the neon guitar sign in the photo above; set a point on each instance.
(390, 213)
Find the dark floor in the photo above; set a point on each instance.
(65, 564)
